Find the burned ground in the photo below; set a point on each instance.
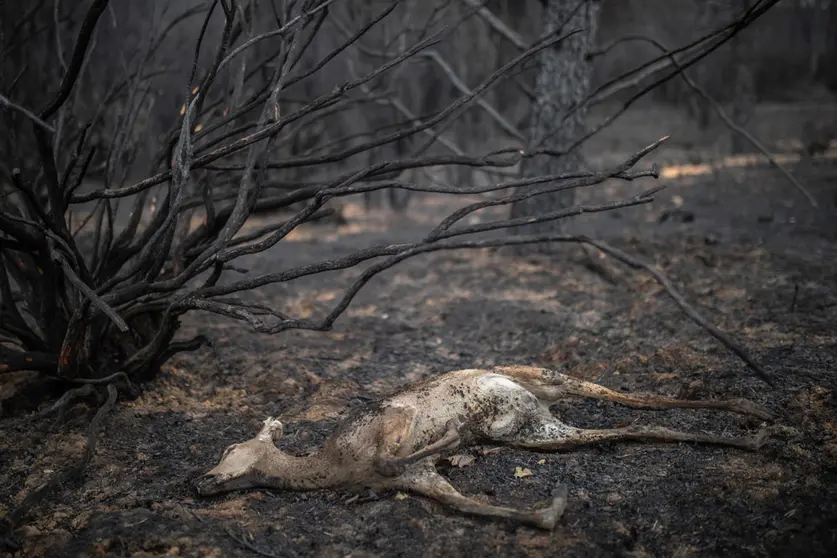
(752, 257)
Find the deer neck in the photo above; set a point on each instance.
(290, 472)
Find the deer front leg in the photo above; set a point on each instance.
(398, 426)
(428, 482)
(448, 441)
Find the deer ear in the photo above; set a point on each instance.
(272, 430)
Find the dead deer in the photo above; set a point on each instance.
(395, 444)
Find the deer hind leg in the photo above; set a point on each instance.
(550, 386)
(426, 481)
(522, 420)
(550, 434)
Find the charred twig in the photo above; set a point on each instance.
(496, 23)
(82, 41)
(508, 127)
(68, 475)
(643, 198)
(12, 320)
(618, 172)
(187, 346)
(67, 399)
(4, 102)
(456, 81)
(91, 295)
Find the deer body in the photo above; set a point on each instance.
(396, 443)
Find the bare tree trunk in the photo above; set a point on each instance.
(743, 105)
(818, 20)
(706, 18)
(563, 81)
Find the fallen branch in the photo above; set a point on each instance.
(67, 399)
(719, 110)
(68, 475)
(684, 305)
(95, 425)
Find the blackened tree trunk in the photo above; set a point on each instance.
(562, 82)
(743, 105)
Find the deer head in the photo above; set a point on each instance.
(242, 464)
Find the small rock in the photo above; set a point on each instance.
(614, 498)
(830, 450)
(677, 216)
(461, 460)
(29, 531)
(80, 521)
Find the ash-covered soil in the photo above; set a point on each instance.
(752, 257)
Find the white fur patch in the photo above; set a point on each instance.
(513, 404)
(499, 381)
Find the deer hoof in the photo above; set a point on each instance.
(754, 409)
(455, 423)
(389, 467)
(758, 441)
(548, 517)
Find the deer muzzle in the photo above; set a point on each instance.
(210, 485)
(205, 485)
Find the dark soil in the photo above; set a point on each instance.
(753, 257)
